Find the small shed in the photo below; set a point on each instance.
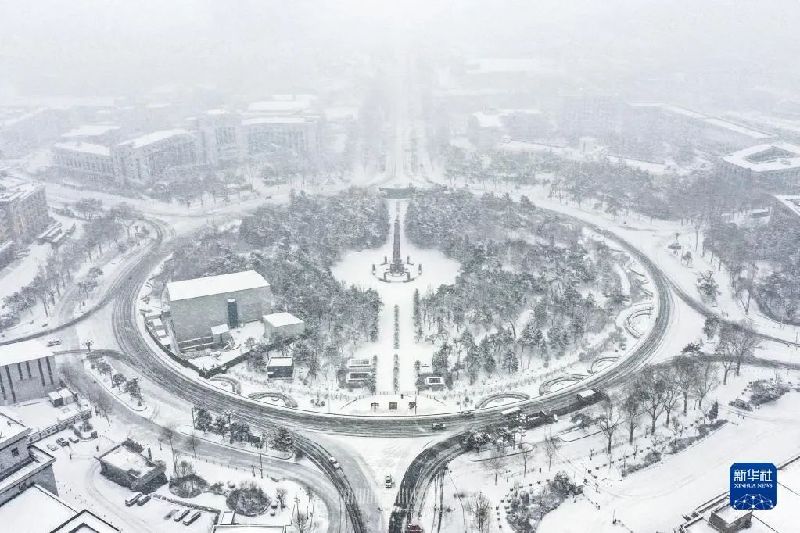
(282, 326)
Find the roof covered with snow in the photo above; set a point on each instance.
(90, 130)
(282, 319)
(34, 510)
(766, 157)
(713, 121)
(19, 352)
(154, 137)
(488, 120)
(273, 120)
(86, 148)
(212, 285)
(282, 105)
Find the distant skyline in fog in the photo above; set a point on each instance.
(116, 47)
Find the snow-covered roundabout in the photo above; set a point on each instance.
(509, 308)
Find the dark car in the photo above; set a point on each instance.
(438, 426)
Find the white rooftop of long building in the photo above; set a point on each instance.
(19, 352)
(88, 148)
(713, 121)
(90, 130)
(766, 157)
(273, 120)
(212, 285)
(154, 137)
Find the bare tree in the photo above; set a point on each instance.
(633, 407)
(193, 442)
(608, 421)
(736, 342)
(671, 391)
(168, 435)
(707, 380)
(686, 369)
(525, 451)
(551, 446)
(480, 509)
(654, 388)
(495, 463)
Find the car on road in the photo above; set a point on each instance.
(54, 342)
(469, 414)
(143, 499)
(52, 447)
(335, 463)
(181, 515)
(133, 499)
(194, 516)
(61, 441)
(388, 482)
(438, 426)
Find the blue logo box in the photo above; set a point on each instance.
(754, 486)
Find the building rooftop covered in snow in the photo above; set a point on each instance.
(27, 371)
(777, 162)
(198, 305)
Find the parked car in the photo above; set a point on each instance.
(388, 482)
(54, 342)
(438, 426)
(73, 439)
(170, 514)
(194, 516)
(740, 404)
(61, 441)
(143, 499)
(52, 447)
(181, 515)
(133, 499)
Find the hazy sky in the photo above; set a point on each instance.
(123, 46)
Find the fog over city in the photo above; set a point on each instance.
(429, 266)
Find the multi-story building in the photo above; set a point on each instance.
(83, 160)
(147, 158)
(27, 371)
(776, 164)
(28, 493)
(23, 211)
(299, 135)
(22, 464)
(197, 305)
(220, 134)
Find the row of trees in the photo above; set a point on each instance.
(659, 393)
(52, 278)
